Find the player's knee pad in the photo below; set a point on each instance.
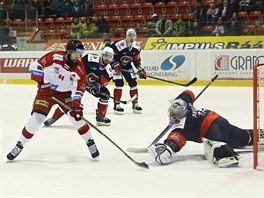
(119, 83)
(132, 83)
(162, 153)
(35, 122)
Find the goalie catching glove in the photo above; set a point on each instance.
(162, 153)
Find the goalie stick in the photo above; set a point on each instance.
(144, 150)
(140, 164)
(175, 83)
(121, 101)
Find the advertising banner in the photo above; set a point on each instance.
(168, 65)
(187, 43)
(89, 44)
(236, 64)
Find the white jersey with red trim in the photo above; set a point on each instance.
(52, 69)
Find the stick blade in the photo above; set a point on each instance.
(143, 165)
(191, 82)
(137, 150)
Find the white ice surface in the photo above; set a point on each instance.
(56, 162)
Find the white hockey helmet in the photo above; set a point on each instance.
(108, 51)
(177, 110)
(131, 31)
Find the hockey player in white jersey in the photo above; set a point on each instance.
(59, 74)
(98, 74)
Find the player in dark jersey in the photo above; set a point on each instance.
(126, 53)
(189, 124)
(98, 74)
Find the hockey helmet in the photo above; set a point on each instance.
(177, 109)
(107, 55)
(131, 31)
(75, 45)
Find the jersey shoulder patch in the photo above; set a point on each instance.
(120, 45)
(136, 45)
(93, 58)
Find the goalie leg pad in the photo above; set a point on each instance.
(220, 154)
(162, 153)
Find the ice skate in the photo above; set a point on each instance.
(92, 148)
(118, 110)
(49, 121)
(136, 108)
(102, 120)
(15, 151)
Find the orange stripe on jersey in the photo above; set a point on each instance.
(178, 138)
(206, 123)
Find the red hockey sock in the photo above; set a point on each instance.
(102, 108)
(134, 91)
(118, 93)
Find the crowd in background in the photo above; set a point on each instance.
(223, 18)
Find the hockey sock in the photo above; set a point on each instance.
(133, 91)
(118, 93)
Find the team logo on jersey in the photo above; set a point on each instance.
(126, 60)
(172, 62)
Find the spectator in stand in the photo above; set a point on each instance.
(219, 28)
(103, 25)
(88, 29)
(212, 14)
(258, 6)
(77, 8)
(152, 26)
(234, 5)
(193, 26)
(87, 8)
(179, 28)
(164, 26)
(75, 29)
(235, 26)
(244, 5)
(225, 11)
(67, 9)
(46, 8)
(4, 33)
(56, 6)
(36, 4)
(199, 12)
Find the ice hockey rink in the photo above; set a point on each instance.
(57, 164)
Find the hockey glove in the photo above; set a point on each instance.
(95, 88)
(91, 78)
(142, 73)
(77, 110)
(162, 153)
(117, 67)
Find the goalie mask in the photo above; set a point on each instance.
(177, 109)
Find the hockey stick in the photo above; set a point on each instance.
(140, 164)
(175, 83)
(143, 150)
(121, 101)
